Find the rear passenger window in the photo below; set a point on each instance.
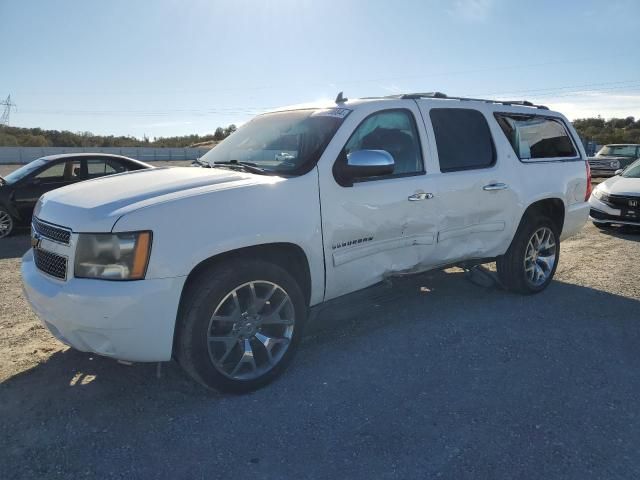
(463, 139)
(99, 167)
(535, 137)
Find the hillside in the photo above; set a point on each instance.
(614, 130)
(598, 130)
(37, 137)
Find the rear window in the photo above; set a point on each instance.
(463, 139)
(534, 137)
(618, 150)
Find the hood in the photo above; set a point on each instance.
(622, 186)
(95, 205)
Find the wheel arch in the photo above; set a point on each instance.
(551, 207)
(289, 256)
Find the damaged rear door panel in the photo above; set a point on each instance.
(478, 204)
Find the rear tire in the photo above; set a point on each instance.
(7, 223)
(239, 325)
(531, 261)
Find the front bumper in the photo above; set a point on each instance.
(597, 216)
(600, 212)
(132, 321)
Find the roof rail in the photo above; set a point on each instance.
(523, 103)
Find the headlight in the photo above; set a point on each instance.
(614, 164)
(600, 195)
(118, 256)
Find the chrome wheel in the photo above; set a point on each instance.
(540, 256)
(6, 224)
(250, 330)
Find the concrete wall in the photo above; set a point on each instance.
(27, 154)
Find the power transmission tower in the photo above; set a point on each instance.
(4, 120)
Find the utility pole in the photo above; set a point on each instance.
(4, 119)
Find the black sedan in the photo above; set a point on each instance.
(21, 189)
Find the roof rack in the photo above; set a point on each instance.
(522, 103)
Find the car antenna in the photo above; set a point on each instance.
(340, 99)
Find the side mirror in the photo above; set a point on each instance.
(619, 171)
(369, 163)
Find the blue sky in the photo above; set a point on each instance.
(170, 67)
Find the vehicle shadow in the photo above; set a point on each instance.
(15, 246)
(623, 232)
(453, 359)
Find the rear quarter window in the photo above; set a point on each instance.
(463, 139)
(534, 137)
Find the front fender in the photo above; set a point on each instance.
(188, 231)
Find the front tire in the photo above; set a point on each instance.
(239, 325)
(6, 223)
(531, 261)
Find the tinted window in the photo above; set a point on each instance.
(393, 131)
(98, 167)
(67, 171)
(463, 139)
(534, 137)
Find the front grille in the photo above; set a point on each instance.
(623, 201)
(51, 263)
(600, 164)
(57, 234)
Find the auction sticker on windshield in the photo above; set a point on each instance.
(332, 112)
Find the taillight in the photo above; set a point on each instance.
(589, 187)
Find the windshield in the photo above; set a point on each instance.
(287, 143)
(618, 150)
(25, 170)
(633, 171)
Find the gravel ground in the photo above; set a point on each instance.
(432, 377)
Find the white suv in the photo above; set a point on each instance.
(221, 267)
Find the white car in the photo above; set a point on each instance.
(616, 201)
(221, 267)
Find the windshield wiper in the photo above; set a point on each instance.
(236, 165)
(197, 161)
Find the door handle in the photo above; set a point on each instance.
(492, 187)
(420, 196)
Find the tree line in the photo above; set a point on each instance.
(598, 130)
(614, 130)
(37, 137)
